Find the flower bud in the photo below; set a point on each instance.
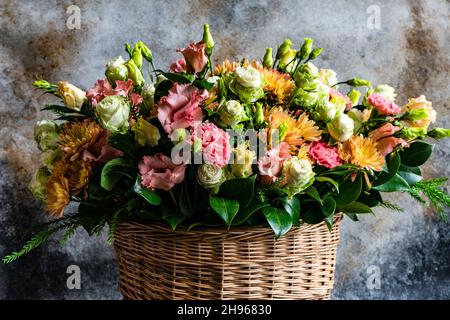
(286, 61)
(439, 133)
(45, 86)
(357, 82)
(268, 58)
(116, 70)
(305, 75)
(72, 96)
(341, 127)
(210, 176)
(136, 56)
(148, 94)
(416, 114)
(231, 113)
(243, 160)
(424, 109)
(413, 133)
(38, 183)
(315, 53)
(113, 113)
(259, 114)
(354, 96)
(208, 40)
(134, 73)
(145, 133)
(46, 135)
(146, 52)
(298, 175)
(284, 48)
(306, 48)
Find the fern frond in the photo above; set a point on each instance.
(391, 206)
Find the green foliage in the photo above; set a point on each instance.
(225, 208)
(239, 189)
(432, 190)
(279, 220)
(355, 207)
(391, 170)
(391, 206)
(417, 154)
(113, 171)
(247, 211)
(349, 191)
(162, 90)
(123, 142)
(292, 207)
(150, 196)
(396, 183)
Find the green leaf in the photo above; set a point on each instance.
(225, 208)
(355, 207)
(313, 193)
(151, 196)
(59, 110)
(113, 171)
(397, 183)
(292, 206)
(162, 90)
(349, 191)
(172, 217)
(279, 220)
(392, 167)
(371, 198)
(412, 175)
(241, 189)
(123, 142)
(326, 179)
(179, 77)
(328, 207)
(203, 84)
(417, 154)
(352, 216)
(313, 215)
(246, 212)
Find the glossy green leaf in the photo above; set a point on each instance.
(225, 208)
(241, 189)
(397, 183)
(370, 198)
(392, 167)
(329, 206)
(292, 206)
(412, 175)
(246, 212)
(355, 207)
(179, 77)
(417, 154)
(313, 215)
(279, 220)
(349, 191)
(150, 196)
(113, 171)
(326, 179)
(313, 193)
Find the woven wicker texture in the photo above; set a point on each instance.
(244, 263)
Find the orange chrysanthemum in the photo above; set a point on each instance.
(211, 101)
(57, 195)
(79, 136)
(362, 152)
(78, 174)
(297, 129)
(226, 67)
(279, 84)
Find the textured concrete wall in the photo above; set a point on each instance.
(409, 51)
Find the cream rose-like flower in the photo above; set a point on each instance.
(38, 183)
(46, 135)
(248, 77)
(231, 113)
(341, 127)
(243, 160)
(113, 113)
(298, 175)
(145, 133)
(429, 112)
(116, 70)
(72, 96)
(210, 176)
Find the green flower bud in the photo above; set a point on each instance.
(284, 48)
(298, 174)
(146, 52)
(113, 113)
(134, 73)
(354, 96)
(145, 133)
(128, 49)
(268, 58)
(137, 56)
(306, 48)
(45, 86)
(210, 176)
(116, 70)
(46, 135)
(416, 114)
(259, 114)
(286, 61)
(231, 113)
(208, 40)
(357, 82)
(413, 133)
(315, 53)
(439, 133)
(38, 183)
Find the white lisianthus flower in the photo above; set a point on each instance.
(386, 91)
(248, 77)
(72, 96)
(330, 109)
(341, 128)
(231, 113)
(247, 84)
(307, 73)
(46, 135)
(328, 77)
(298, 174)
(113, 113)
(116, 70)
(210, 176)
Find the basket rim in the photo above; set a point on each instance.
(201, 230)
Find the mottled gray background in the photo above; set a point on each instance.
(409, 51)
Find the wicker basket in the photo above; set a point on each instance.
(243, 263)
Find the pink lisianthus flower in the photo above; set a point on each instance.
(386, 130)
(123, 88)
(325, 155)
(178, 66)
(271, 165)
(159, 172)
(195, 57)
(136, 99)
(348, 102)
(387, 145)
(181, 107)
(215, 144)
(383, 105)
(101, 89)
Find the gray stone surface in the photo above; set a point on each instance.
(409, 51)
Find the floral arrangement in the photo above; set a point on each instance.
(275, 142)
